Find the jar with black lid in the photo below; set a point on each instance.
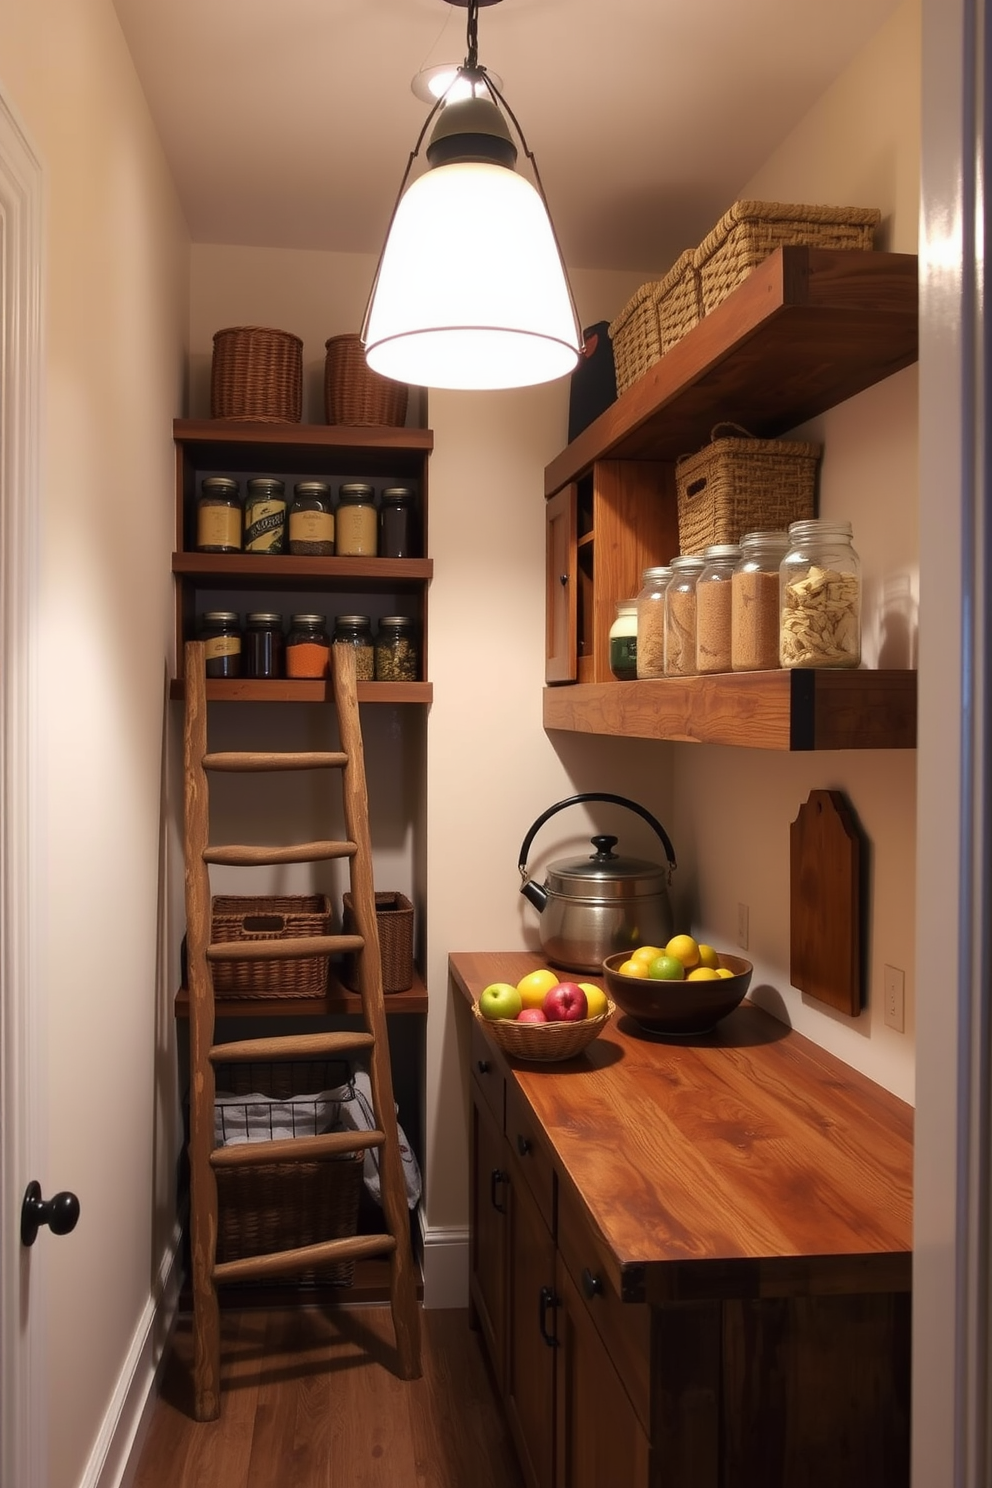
(219, 516)
(308, 646)
(356, 630)
(220, 631)
(396, 523)
(311, 520)
(396, 652)
(265, 516)
(356, 528)
(264, 645)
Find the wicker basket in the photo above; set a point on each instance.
(394, 920)
(353, 393)
(240, 917)
(269, 1207)
(257, 373)
(654, 319)
(678, 301)
(545, 1043)
(751, 230)
(737, 484)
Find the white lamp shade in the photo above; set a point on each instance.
(471, 290)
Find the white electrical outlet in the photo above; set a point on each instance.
(894, 992)
(742, 917)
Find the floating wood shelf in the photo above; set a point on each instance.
(337, 1002)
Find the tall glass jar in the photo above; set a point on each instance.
(680, 616)
(356, 630)
(265, 515)
(396, 658)
(820, 597)
(713, 591)
(356, 521)
(754, 614)
(308, 646)
(219, 516)
(651, 621)
(623, 641)
(265, 645)
(396, 538)
(220, 631)
(311, 520)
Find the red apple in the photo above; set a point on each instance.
(531, 1015)
(565, 1003)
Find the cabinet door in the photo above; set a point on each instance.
(599, 1439)
(531, 1344)
(561, 624)
(490, 1196)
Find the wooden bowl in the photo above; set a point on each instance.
(545, 1042)
(677, 1008)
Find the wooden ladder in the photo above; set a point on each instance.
(372, 1042)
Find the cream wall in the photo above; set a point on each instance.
(115, 296)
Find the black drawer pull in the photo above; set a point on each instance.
(484, 1066)
(591, 1285)
(496, 1177)
(524, 1145)
(548, 1302)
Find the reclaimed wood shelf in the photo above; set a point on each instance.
(338, 1001)
(281, 690)
(286, 571)
(784, 710)
(375, 449)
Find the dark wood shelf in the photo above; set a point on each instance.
(784, 710)
(286, 571)
(808, 328)
(373, 449)
(282, 690)
(337, 1002)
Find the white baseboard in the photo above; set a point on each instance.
(444, 1259)
(114, 1459)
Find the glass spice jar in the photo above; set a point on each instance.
(680, 616)
(265, 645)
(623, 641)
(219, 516)
(311, 520)
(754, 615)
(820, 597)
(308, 646)
(356, 630)
(265, 516)
(396, 523)
(220, 631)
(651, 622)
(396, 658)
(356, 535)
(713, 606)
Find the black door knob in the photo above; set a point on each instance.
(59, 1213)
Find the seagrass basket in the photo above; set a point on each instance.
(750, 230)
(353, 393)
(394, 921)
(738, 484)
(544, 1043)
(678, 301)
(654, 319)
(270, 917)
(257, 373)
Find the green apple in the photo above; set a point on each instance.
(500, 1000)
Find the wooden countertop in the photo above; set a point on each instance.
(745, 1162)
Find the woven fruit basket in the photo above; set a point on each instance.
(257, 373)
(545, 1043)
(739, 484)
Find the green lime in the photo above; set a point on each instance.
(666, 969)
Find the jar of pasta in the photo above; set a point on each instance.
(651, 622)
(308, 646)
(680, 616)
(754, 616)
(820, 597)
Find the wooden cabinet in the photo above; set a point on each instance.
(695, 1257)
(808, 329)
(288, 583)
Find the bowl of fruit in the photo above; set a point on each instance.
(543, 1017)
(682, 988)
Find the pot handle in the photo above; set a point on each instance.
(595, 796)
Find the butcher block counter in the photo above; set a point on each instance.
(719, 1226)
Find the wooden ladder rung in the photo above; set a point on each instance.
(282, 950)
(305, 1257)
(289, 1046)
(241, 856)
(244, 761)
(290, 1150)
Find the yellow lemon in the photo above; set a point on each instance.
(645, 953)
(724, 971)
(535, 985)
(703, 974)
(708, 956)
(632, 968)
(685, 948)
(595, 999)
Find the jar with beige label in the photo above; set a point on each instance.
(219, 516)
(311, 520)
(356, 533)
(220, 631)
(265, 516)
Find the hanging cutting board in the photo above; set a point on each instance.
(825, 908)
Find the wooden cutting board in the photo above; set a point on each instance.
(825, 902)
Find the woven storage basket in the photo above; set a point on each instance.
(751, 230)
(353, 393)
(544, 1043)
(269, 1207)
(257, 373)
(636, 337)
(678, 301)
(737, 484)
(394, 920)
(240, 917)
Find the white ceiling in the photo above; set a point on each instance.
(288, 123)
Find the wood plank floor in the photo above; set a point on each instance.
(309, 1400)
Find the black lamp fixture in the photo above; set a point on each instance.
(470, 290)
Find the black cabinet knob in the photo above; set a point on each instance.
(59, 1213)
(484, 1066)
(591, 1285)
(524, 1145)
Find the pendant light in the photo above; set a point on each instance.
(470, 290)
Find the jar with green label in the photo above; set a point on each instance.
(219, 516)
(311, 520)
(265, 516)
(623, 641)
(220, 631)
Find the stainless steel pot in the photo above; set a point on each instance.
(592, 907)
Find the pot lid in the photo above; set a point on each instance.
(606, 875)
